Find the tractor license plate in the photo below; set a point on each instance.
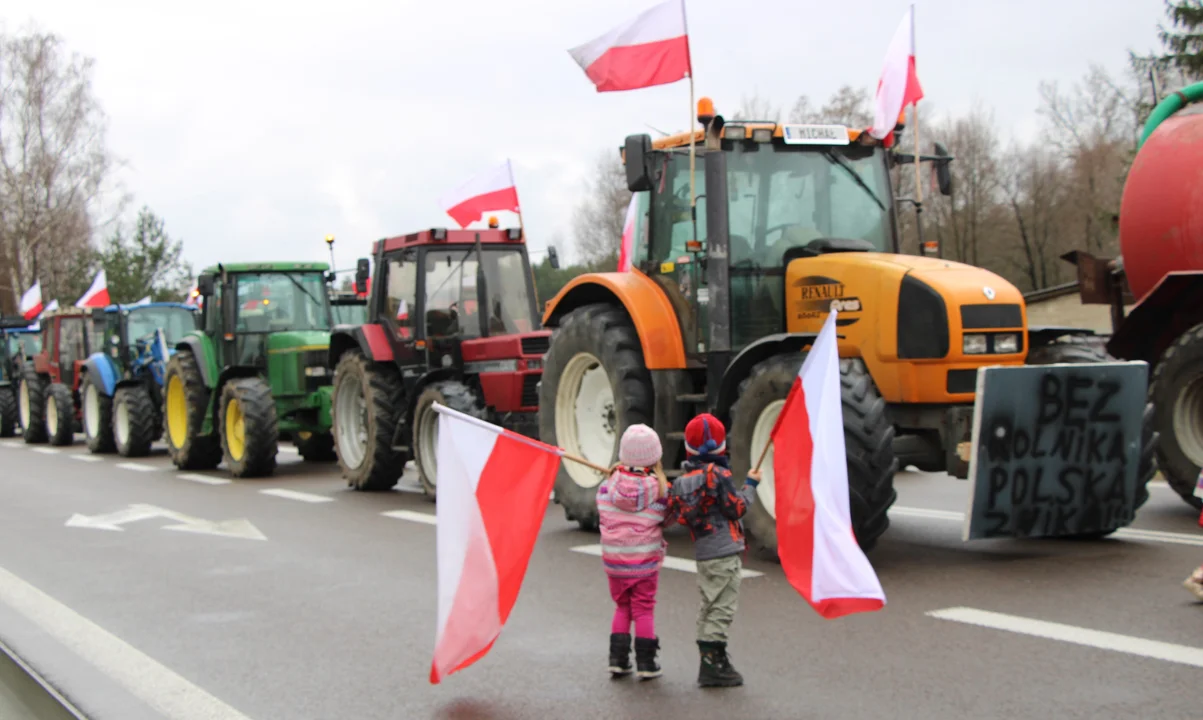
(1055, 449)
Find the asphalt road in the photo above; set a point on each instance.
(316, 602)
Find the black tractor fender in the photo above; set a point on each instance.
(739, 369)
(370, 339)
(197, 348)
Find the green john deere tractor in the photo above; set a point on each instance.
(256, 369)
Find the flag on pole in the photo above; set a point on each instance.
(815, 541)
(898, 86)
(143, 301)
(494, 487)
(649, 49)
(97, 296)
(31, 302)
(626, 250)
(493, 189)
(52, 306)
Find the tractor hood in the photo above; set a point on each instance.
(959, 283)
(292, 341)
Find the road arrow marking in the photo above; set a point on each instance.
(240, 528)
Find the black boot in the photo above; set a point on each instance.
(645, 657)
(716, 669)
(620, 654)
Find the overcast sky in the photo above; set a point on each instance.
(255, 128)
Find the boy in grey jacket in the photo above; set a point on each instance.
(705, 500)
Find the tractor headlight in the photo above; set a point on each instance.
(491, 366)
(534, 364)
(974, 344)
(1006, 344)
(315, 371)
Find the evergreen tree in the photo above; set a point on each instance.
(1184, 43)
(148, 262)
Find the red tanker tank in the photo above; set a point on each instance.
(1161, 214)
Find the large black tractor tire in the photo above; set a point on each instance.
(315, 447)
(1076, 351)
(1176, 392)
(868, 441)
(449, 393)
(185, 405)
(97, 416)
(134, 421)
(368, 400)
(8, 411)
(599, 337)
(60, 415)
(250, 429)
(31, 406)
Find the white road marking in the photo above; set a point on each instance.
(1161, 484)
(139, 467)
(674, 563)
(1125, 533)
(156, 685)
(294, 495)
(46, 450)
(419, 517)
(85, 458)
(289, 449)
(204, 479)
(12, 443)
(1072, 634)
(238, 528)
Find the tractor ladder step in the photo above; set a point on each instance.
(692, 398)
(678, 435)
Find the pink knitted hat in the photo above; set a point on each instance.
(640, 447)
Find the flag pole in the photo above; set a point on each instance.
(521, 227)
(918, 164)
(443, 409)
(693, 195)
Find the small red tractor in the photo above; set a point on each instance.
(48, 398)
(452, 319)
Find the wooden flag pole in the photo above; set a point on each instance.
(443, 409)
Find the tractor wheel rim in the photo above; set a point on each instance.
(177, 412)
(23, 404)
(351, 414)
(766, 492)
(1188, 419)
(92, 411)
(428, 443)
(235, 430)
(51, 416)
(121, 422)
(586, 417)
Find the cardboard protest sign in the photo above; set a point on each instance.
(1056, 449)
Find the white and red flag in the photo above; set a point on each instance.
(649, 49)
(52, 306)
(815, 541)
(626, 250)
(494, 487)
(898, 86)
(31, 302)
(493, 189)
(97, 296)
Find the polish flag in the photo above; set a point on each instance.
(31, 302)
(650, 49)
(143, 301)
(494, 487)
(626, 251)
(815, 541)
(52, 306)
(899, 83)
(97, 296)
(493, 189)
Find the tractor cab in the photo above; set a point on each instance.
(126, 332)
(48, 396)
(19, 341)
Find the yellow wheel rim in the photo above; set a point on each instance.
(177, 412)
(235, 429)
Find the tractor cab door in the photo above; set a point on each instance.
(401, 310)
(670, 259)
(450, 282)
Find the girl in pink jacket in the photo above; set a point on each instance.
(632, 509)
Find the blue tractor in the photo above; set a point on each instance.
(19, 341)
(120, 395)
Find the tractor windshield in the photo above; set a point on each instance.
(175, 322)
(454, 302)
(281, 301)
(27, 344)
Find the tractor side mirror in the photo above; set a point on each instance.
(943, 172)
(637, 153)
(206, 285)
(362, 271)
(553, 258)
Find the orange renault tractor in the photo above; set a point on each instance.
(791, 221)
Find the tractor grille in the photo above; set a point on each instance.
(535, 345)
(530, 390)
(314, 359)
(984, 317)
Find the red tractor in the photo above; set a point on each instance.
(451, 318)
(48, 398)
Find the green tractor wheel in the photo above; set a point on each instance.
(185, 403)
(250, 432)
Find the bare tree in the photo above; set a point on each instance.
(847, 106)
(756, 107)
(962, 219)
(597, 223)
(54, 165)
(1036, 189)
